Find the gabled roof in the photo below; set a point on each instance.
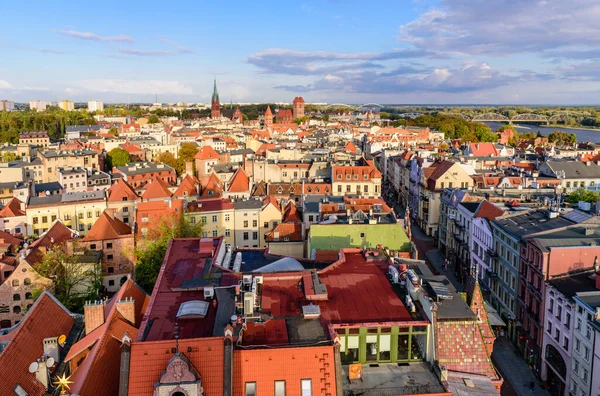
(240, 182)
(121, 190)
(156, 189)
(290, 213)
(107, 227)
(98, 372)
(187, 187)
(268, 112)
(213, 186)
(46, 318)
(260, 189)
(271, 199)
(206, 153)
(56, 235)
(350, 148)
(12, 209)
(483, 149)
(5, 237)
(262, 150)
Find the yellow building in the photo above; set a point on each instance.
(215, 215)
(270, 216)
(362, 180)
(52, 160)
(66, 105)
(77, 210)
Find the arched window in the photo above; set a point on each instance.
(27, 281)
(178, 394)
(28, 296)
(17, 309)
(15, 282)
(16, 297)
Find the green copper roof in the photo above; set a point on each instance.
(215, 97)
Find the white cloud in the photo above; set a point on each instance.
(94, 36)
(5, 84)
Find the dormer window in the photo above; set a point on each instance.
(347, 177)
(355, 177)
(339, 177)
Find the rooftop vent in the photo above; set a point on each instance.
(192, 310)
(314, 289)
(311, 311)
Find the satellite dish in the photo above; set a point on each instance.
(50, 362)
(62, 339)
(33, 367)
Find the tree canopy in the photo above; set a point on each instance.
(117, 157)
(153, 119)
(151, 252)
(583, 195)
(53, 120)
(169, 159)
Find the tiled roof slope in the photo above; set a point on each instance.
(12, 209)
(149, 360)
(107, 227)
(47, 318)
(121, 190)
(156, 189)
(57, 234)
(240, 182)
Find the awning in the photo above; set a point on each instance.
(493, 317)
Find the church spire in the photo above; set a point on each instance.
(215, 95)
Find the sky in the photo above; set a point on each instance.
(334, 51)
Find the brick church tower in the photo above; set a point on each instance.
(215, 106)
(298, 107)
(268, 118)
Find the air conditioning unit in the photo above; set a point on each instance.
(248, 303)
(209, 292)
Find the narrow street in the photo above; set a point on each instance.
(515, 371)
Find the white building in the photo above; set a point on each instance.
(73, 179)
(38, 105)
(95, 105)
(585, 363)
(7, 105)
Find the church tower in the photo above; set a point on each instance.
(215, 106)
(268, 118)
(298, 107)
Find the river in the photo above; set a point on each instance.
(583, 135)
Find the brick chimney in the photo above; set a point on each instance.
(93, 313)
(126, 308)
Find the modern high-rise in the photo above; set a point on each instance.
(66, 105)
(95, 105)
(7, 105)
(38, 105)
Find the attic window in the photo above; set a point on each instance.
(339, 177)
(347, 177)
(355, 177)
(192, 310)
(366, 177)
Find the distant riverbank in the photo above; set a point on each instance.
(583, 134)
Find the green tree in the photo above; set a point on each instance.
(75, 279)
(444, 146)
(151, 252)
(8, 157)
(117, 157)
(581, 194)
(326, 118)
(300, 120)
(169, 159)
(113, 131)
(187, 151)
(153, 119)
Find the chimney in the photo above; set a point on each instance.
(126, 308)
(189, 168)
(93, 313)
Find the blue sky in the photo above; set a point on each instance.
(420, 51)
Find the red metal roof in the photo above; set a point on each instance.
(358, 292)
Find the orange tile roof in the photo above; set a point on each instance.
(5, 237)
(262, 150)
(290, 213)
(187, 187)
(157, 213)
(292, 365)
(206, 153)
(213, 186)
(240, 182)
(292, 231)
(156, 189)
(351, 148)
(149, 361)
(12, 209)
(488, 211)
(369, 171)
(121, 190)
(107, 227)
(131, 148)
(271, 199)
(483, 149)
(47, 318)
(101, 366)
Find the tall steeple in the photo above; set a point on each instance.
(215, 106)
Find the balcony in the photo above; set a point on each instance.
(492, 253)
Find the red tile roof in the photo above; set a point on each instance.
(156, 189)
(131, 148)
(206, 153)
(271, 199)
(100, 368)
(483, 149)
(290, 213)
(240, 182)
(187, 187)
(284, 113)
(488, 211)
(262, 150)
(12, 209)
(298, 99)
(268, 111)
(351, 148)
(436, 170)
(149, 361)
(209, 205)
(56, 235)
(47, 318)
(153, 214)
(368, 171)
(292, 231)
(213, 186)
(121, 190)
(351, 284)
(108, 227)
